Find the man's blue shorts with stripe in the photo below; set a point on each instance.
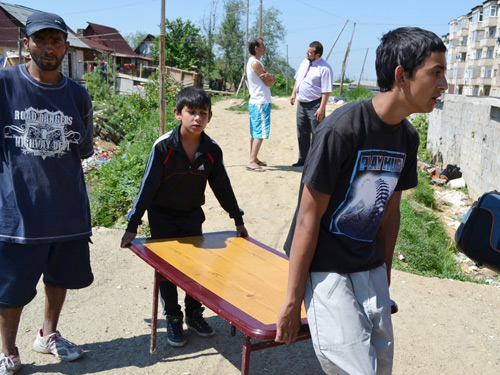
(260, 120)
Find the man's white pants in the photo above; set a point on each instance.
(349, 317)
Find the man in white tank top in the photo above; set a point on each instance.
(259, 105)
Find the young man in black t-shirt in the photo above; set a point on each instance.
(343, 235)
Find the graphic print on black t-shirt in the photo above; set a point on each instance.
(373, 181)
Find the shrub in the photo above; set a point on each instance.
(279, 87)
(423, 192)
(421, 123)
(424, 243)
(355, 94)
(114, 187)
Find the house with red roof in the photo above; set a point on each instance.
(125, 59)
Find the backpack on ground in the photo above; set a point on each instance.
(478, 236)
(451, 172)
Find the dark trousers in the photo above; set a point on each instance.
(306, 123)
(167, 224)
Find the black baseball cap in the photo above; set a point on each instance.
(41, 20)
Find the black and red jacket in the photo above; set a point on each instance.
(172, 183)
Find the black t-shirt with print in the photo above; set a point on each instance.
(360, 161)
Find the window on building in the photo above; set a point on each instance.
(487, 72)
(487, 90)
(491, 32)
(469, 73)
(459, 25)
(478, 54)
(477, 16)
(490, 11)
(462, 56)
(489, 52)
(463, 42)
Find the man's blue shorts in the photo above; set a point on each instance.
(260, 120)
(63, 265)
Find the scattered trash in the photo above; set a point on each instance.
(456, 183)
(451, 172)
(401, 257)
(100, 157)
(439, 182)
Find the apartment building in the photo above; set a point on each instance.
(474, 52)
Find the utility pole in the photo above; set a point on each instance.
(363, 67)
(338, 36)
(344, 65)
(260, 20)
(19, 46)
(163, 118)
(287, 69)
(245, 55)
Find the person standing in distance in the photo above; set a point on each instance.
(46, 129)
(259, 105)
(342, 238)
(313, 85)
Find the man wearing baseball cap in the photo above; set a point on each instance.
(46, 129)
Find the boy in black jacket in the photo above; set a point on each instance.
(173, 191)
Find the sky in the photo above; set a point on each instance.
(304, 20)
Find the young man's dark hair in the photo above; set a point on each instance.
(405, 46)
(193, 97)
(318, 47)
(343, 235)
(254, 42)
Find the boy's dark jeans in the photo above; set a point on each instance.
(170, 224)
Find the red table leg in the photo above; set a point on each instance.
(154, 315)
(245, 360)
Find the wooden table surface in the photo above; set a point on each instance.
(240, 279)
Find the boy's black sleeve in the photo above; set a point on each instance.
(223, 191)
(150, 184)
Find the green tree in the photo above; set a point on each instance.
(134, 39)
(230, 39)
(185, 47)
(273, 34)
(209, 27)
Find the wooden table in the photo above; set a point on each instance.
(240, 279)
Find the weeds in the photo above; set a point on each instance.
(422, 240)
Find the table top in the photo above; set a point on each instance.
(240, 279)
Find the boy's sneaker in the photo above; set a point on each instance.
(11, 364)
(175, 331)
(57, 345)
(197, 323)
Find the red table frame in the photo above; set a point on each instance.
(251, 327)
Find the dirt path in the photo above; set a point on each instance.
(444, 327)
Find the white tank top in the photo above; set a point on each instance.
(259, 92)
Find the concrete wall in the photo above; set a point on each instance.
(466, 131)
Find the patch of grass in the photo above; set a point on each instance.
(243, 107)
(423, 192)
(421, 123)
(423, 242)
(353, 95)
